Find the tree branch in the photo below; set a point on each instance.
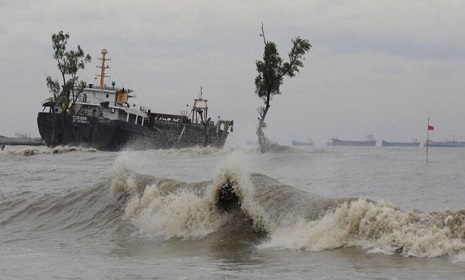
(263, 34)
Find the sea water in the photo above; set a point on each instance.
(308, 213)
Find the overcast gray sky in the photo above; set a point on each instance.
(376, 67)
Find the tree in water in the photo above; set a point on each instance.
(271, 71)
(69, 62)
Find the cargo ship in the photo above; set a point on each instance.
(105, 118)
(309, 142)
(338, 142)
(445, 144)
(414, 143)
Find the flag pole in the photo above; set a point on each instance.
(427, 140)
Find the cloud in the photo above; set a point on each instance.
(374, 65)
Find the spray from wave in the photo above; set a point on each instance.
(197, 150)
(284, 217)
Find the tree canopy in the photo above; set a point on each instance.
(69, 62)
(271, 72)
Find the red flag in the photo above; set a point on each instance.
(430, 127)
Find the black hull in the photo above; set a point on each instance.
(115, 135)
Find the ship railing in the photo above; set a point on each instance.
(223, 125)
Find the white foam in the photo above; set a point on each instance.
(379, 228)
(44, 151)
(197, 150)
(459, 258)
(183, 214)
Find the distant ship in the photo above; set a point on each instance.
(305, 143)
(337, 142)
(414, 143)
(446, 144)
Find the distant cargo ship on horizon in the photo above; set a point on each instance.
(370, 142)
(445, 144)
(414, 143)
(309, 142)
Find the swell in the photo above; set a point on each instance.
(83, 211)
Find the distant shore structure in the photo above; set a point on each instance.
(21, 139)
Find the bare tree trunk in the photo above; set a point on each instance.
(263, 142)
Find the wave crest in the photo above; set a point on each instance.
(44, 151)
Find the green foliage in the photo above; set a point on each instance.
(269, 78)
(69, 62)
(271, 72)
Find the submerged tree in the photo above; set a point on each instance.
(69, 62)
(271, 72)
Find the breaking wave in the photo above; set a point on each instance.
(283, 216)
(42, 151)
(198, 150)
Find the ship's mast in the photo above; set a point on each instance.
(200, 108)
(103, 67)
